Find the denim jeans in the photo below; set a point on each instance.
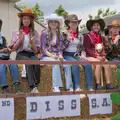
(76, 72)
(56, 74)
(3, 74)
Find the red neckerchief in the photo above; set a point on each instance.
(26, 30)
(96, 37)
(113, 37)
(73, 34)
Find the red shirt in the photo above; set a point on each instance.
(89, 45)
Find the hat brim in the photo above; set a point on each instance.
(115, 25)
(68, 21)
(27, 14)
(60, 20)
(90, 23)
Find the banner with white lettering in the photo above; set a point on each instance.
(6, 109)
(53, 106)
(100, 104)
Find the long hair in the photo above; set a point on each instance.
(50, 35)
(32, 30)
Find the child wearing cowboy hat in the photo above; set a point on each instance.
(74, 51)
(26, 43)
(113, 44)
(51, 49)
(91, 39)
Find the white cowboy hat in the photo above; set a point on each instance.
(54, 17)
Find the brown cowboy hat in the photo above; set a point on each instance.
(90, 23)
(72, 18)
(27, 12)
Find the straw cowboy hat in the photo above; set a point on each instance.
(54, 17)
(90, 23)
(27, 12)
(115, 23)
(72, 18)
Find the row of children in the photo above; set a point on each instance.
(68, 45)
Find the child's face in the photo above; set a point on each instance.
(115, 30)
(26, 21)
(73, 25)
(96, 27)
(53, 24)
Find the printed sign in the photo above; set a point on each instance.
(53, 106)
(6, 109)
(100, 104)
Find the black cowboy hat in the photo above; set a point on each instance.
(90, 23)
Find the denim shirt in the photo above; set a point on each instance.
(46, 45)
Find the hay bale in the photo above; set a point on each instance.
(46, 85)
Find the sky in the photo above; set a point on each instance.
(80, 7)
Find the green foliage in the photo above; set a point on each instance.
(103, 13)
(117, 117)
(40, 14)
(90, 17)
(115, 97)
(36, 10)
(23, 6)
(60, 11)
(100, 11)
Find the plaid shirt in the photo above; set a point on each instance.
(112, 50)
(46, 44)
(80, 47)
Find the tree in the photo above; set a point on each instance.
(40, 14)
(60, 11)
(90, 16)
(103, 13)
(36, 10)
(23, 6)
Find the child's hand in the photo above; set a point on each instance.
(7, 50)
(55, 57)
(83, 58)
(21, 35)
(32, 40)
(61, 57)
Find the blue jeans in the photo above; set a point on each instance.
(56, 74)
(76, 71)
(3, 74)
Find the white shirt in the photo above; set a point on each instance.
(26, 42)
(73, 45)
